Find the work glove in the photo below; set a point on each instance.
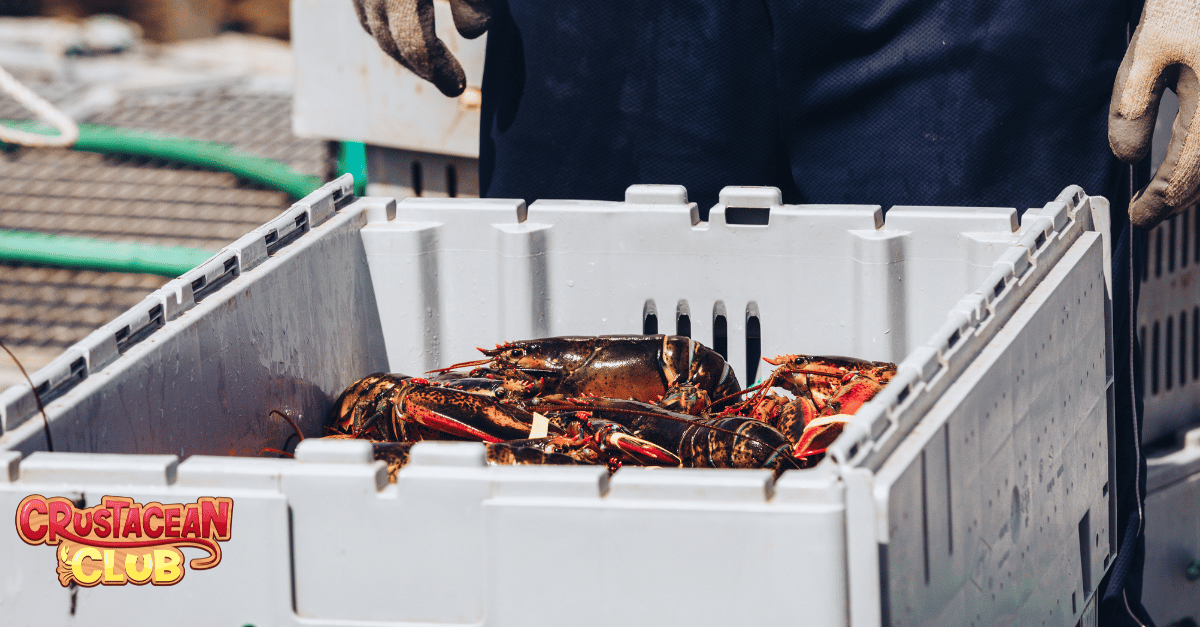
(1164, 52)
(404, 29)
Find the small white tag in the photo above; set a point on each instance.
(541, 427)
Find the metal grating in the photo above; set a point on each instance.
(257, 122)
(57, 90)
(45, 310)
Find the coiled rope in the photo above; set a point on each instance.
(68, 131)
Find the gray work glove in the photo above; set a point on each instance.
(1164, 52)
(404, 29)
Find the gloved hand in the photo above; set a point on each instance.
(404, 29)
(1164, 52)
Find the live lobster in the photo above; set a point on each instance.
(646, 400)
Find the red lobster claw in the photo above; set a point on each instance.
(641, 451)
(852, 395)
(819, 434)
(644, 451)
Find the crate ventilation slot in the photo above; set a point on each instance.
(1174, 244)
(202, 287)
(127, 336)
(720, 342)
(78, 373)
(753, 342)
(683, 319)
(274, 242)
(415, 173)
(755, 216)
(1168, 352)
(649, 318)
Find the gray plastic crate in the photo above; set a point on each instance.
(974, 490)
(1172, 593)
(1169, 327)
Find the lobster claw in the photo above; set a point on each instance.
(610, 436)
(819, 434)
(856, 391)
(641, 451)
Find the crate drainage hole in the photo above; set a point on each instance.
(753, 347)
(649, 318)
(683, 319)
(720, 330)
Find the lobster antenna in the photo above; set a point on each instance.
(37, 397)
(276, 412)
(477, 362)
(817, 373)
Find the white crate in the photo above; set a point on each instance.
(347, 88)
(974, 489)
(1172, 536)
(1169, 327)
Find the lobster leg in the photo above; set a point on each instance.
(795, 415)
(394, 454)
(685, 398)
(538, 451)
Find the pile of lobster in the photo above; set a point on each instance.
(652, 400)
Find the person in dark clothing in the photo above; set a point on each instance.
(900, 102)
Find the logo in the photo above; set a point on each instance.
(119, 541)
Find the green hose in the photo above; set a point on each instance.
(116, 141)
(86, 253)
(95, 254)
(352, 159)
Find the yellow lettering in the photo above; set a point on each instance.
(109, 575)
(141, 575)
(87, 552)
(166, 566)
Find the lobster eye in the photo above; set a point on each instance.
(516, 353)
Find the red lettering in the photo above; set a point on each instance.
(215, 513)
(153, 511)
(115, 507)
(60, 518)
(172, 522)
(133, 523)
(103, 527)
(191, 522)
(80, 518)
(31, 504)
